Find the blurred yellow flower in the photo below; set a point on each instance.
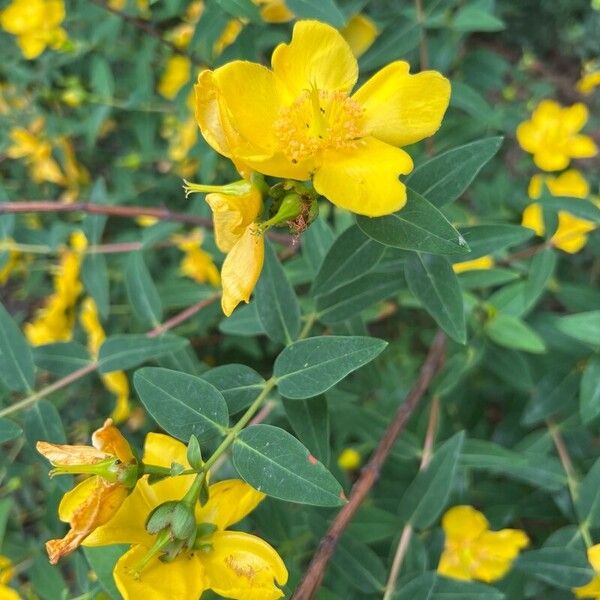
(552, 135)
(588, 83)
(274, 11)
(54, 322)
(228, 36)
(76, 175)
(360, 32)
(231, 563)
(572, 232)
(115, 382)
(95, 500)
(238, 235)
(36, 23)
(298, 120)
(472, 551)
(6, 574)
(349, 460)
(182, 135)
(197, 264)
(484, 262)
(591, 589)
(11, 262)
(176, 74)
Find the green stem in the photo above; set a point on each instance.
(191, 497)
(310, 321)
(158, 470)
(233, 432)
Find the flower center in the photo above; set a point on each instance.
(319, 120)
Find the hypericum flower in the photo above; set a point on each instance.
(231, 563)
(572, 232)
(115, 382)
(197, 264)
(472, 551)
(349, 460)
(95, 500)
(54, 322)
(591, 589)
(298, 120)
(274, 11)
(6, 574)
(588, 83)
(552, 135)
(484, 262)
(238, 235)
(360, 32)
(36, 23)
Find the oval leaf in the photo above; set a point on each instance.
(239, 384)
(511, 332)
(9, 430)
(141, 291)
(16, 361)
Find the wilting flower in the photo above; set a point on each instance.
(484, 262)
(115, 382)
(6, 574)
(572, 232)
(36, 23)
(591, 589)
(472, 551)
(95, 500)
(197, 264)
(552, 135)
(360, 32)
(349, 460)
(299, 121)
(238, 235)
(588, 83)
(54, 322)
(231, 563)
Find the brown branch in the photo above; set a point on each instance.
(316, 570)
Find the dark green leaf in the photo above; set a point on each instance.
(589, 391)
(309, 419)
(578, 207)
(244, 9)
(94, 275)
(61, 358)
(395, 42)
(359, 565)
(316, 242)
(431, 586)
(554, 393)
(102, 560)
(564, 568)
(9, 430)
(239, 384)
(141, 291)
(588, 497)
(320, 10)
(16, 360)
(487, 239)
(244, 321)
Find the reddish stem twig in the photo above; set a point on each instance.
(316, 570)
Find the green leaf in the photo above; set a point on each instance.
(309, 419)
(554, 393)
(276, 301)
(394, 42)
(473, 18)
(244, 9)
(347, 301)
(102, 80)
(511, 332)
(16, 360)
(183, 405)
(564, 568)
(122, 352)
(351, 256)
(587, 502)
(9, 430)
(589, 391)
(579, 207)
(316, 242)
(488, 239)
(584, 327)
(310, 367)
(471, 101)
(239, 384)
(444, 178)
(102, 560)
(432, 586)
(427, 495)
(276, 463)
(418, 226)
(319, 10)
(61, 358)
(360, 566)
(244, 321)
(433, 282)
(141, 291)
(482, 278)
(94, 274)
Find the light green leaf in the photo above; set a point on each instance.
(309, 419)
(589, 391)
(511, 332)
(276, 463)
(16, 361)
(579, 207)
(473, 18)
(310, 367)
(584, 327)
(141, 291)
(102, 560)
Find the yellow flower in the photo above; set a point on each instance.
(12, 261)
(588, 83)
(472, 551)
(6, 574)
(96, 499)
(552, 135)
(76, 175)
(228, 36)
(591, 589)
(484, 262)
(176, 74)
(572, 232)
(360, 32)
(115, 382)
(238, 235)
(146, 221)
(274, 11)
(36, 24)
(299, 121)
(182, 135)
(349, 459)
(231, 563)
(197, 264)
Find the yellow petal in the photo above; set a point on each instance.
(349, 459)
(360, 32)
(365, 180)
(22, 16)
(274, 11)
(588, 83)
(452, 565)
(535, 188)
(54, 13)
(7, 570)
(109, 439)
(593, 555)
(574, 117)
(484, 262)
(533, 217)
(317, 57)
(244, 567)
(463, 523)
(494, 552)
(176, 74)
(232, 215)
(551, 159)
(63, 454)
(182, 578)
(528, 136)
(570, 183)
(242, 268)
(572, 232)
(401, 108)
(31, 44)
(118, 384)
(163, 450)
(582, 146)
(47, 170)
(589, 590)
(7, 593)
(229, 501)
(90, 322)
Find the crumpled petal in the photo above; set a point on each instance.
(109, 439)
(64, 454)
